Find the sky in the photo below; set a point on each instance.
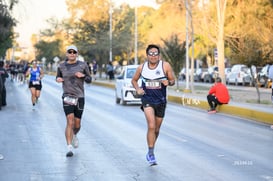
(32, 15)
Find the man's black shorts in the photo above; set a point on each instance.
(159, 109)
(76, 109)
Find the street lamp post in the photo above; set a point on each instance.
(187, 46)
(135, 62)
(110, 32)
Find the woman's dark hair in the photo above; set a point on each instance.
(33, 61)
(152, 46)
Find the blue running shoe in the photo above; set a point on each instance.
(151, 159)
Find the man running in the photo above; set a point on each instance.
(156, 75)
(72, 74)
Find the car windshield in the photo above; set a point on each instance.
(130, 73)
(244, 69)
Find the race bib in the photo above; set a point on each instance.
(71, 100)
(36, 82)
(153, 84)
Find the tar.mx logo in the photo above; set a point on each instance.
(189, 101)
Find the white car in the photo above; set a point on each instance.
(124, 90)
(239, 74)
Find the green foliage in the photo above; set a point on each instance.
(175, 53)
(123, 33)
(248, 30)
(92, 37)
(6, 27)
(92, 40)
(49, 50)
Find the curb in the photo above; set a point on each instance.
(259, 116)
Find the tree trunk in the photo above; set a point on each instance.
(221, 6)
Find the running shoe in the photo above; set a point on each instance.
(151, 159)
(212, 111)
(75, 141)
(69, 152)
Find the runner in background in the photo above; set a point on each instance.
(35, 84)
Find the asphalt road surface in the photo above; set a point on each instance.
(192, 145)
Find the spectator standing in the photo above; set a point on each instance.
(95, 69)
(3, 75)
(156, 75)
(72, 73)
(12, 68)
(270, 75)
(218, 94)
(110, 70)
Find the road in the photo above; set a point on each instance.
(192, 145)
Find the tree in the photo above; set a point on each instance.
(250, 36)
(251, 42)
(92, 40)
(221, 9)
(7, 23)
(174, 52)
(49, 50)
(210, 25)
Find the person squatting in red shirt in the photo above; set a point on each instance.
(218, 94)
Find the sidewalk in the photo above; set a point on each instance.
(257, 112)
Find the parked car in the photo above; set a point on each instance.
(211, 74)
(262, 76)
(227, 71)
(124, 90)
(182, 74)
(239, 74)
(196, 75)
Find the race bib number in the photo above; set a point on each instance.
(36, 82)
(71, 100)
(153, 84)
